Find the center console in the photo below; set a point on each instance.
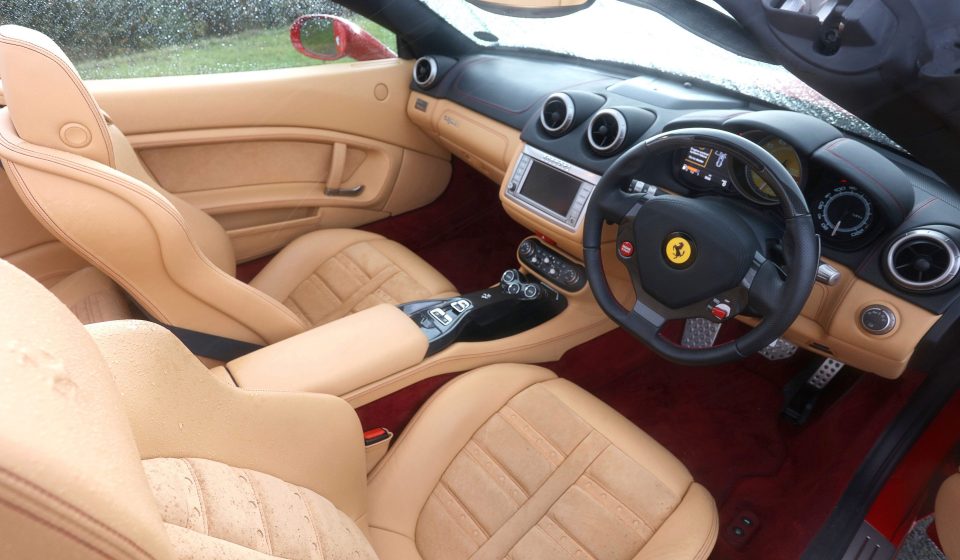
(519, 302)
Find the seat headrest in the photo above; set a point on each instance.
(48, 102)
(69, 465)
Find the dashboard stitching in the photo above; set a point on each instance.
(934, 196)
(829, 147)
(456, 84)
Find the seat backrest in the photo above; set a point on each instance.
(71, 481)
(82, 179)
(947, 516)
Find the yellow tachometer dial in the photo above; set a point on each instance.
(786, 155)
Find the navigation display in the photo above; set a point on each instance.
(550, 188)
(707, 168)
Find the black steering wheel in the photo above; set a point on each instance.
(693, 257)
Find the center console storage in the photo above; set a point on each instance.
(337, 357)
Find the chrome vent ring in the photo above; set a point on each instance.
(556, 114)
(922, 260)
(607, 131)
(425, 71)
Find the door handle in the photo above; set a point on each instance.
(349, 191)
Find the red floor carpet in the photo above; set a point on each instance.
(722, 422)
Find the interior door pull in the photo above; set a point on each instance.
(349, 191)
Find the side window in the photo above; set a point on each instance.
(145, 38)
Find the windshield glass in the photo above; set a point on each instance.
(614, 31)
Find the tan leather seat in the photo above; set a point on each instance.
(118, 443)
(81, 178)
(947, 516)
(92, 297)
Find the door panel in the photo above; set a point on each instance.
(261, 151)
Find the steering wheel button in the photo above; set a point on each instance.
(721, 311)
(626, 249)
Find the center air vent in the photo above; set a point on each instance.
(607, 130)
(922, 260)
(556, 115)
(425, 71)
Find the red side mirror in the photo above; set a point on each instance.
(327, 37)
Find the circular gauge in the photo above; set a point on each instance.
(786, 155)
(844, 213)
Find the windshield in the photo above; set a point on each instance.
(614, 31)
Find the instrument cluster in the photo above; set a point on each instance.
(844, 213)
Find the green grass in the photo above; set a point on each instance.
(251, 50)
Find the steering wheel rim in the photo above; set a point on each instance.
(780, 300)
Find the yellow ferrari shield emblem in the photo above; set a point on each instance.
(678, 250)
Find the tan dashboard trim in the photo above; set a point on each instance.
(481, 142)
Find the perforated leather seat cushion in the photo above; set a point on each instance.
(329, 274)
(511, 462)
(214, 510)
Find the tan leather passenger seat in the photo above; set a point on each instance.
(92, 297)
(947, 516)
(81, 178)
(117, 443)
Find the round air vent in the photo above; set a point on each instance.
(607, 130)
(556, 115)
(922, 260)
(425, 71)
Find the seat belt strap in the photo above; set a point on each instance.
(211, 345)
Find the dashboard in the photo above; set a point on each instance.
(548, 130)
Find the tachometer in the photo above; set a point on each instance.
(786, 155)
(844, 213)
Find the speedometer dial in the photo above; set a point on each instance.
(844, 213)
(786, 155)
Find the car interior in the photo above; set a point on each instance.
(471, 300)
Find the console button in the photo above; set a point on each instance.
(570, 277)
(441, 316)
(531, 291)
(878, 319)
(527, 248)
(460, 305)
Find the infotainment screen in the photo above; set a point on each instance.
(550, 188)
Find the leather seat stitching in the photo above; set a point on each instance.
(538, 440)
(501, 466)
(258, 504)
(124, 184)
(199, 490)
(81, 88)
(569, 535)
(316, 533)
(614, 498)
(464, 507)
(84, 515)
(63, 531)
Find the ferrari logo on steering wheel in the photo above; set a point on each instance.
(679, 250)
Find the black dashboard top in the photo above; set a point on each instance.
(863, 196)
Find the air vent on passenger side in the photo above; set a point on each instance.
(557, 113)
(922, 260)
(607, 131)
(425, 71)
